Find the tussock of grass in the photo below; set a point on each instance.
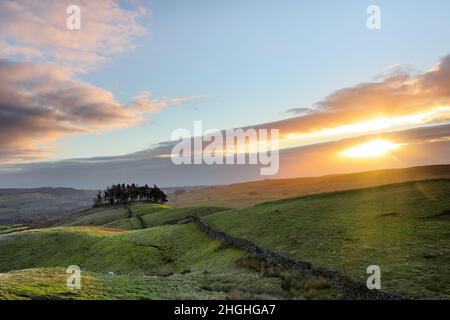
(298, 286)
(295, 285)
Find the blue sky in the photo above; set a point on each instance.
(253, 60)
(138, 70)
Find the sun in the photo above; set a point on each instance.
(373, 149)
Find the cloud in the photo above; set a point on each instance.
(423, 146)
(37, 30)
(144, 102)
(399, 94)
(40, 103)
(41, 98)
(301, 110)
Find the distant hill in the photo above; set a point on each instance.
(39, 205)
(250, 193)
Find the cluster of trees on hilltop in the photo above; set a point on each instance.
(123, 194)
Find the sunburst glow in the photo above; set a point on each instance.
(373, 149)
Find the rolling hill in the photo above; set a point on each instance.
(246, 194)
(403, 228)
(161, 252)
(168, 262)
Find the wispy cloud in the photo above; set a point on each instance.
(144, 102)
(37, 29)
(300, 110)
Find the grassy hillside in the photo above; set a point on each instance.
(148, 214)
(146, 208)
(47, 283)
(246, 194)
(403, 228)
(125, 224)
(116, 217)
(158, 218)
(163, 249)
(95, 217)
(168, 262)
(50, 283)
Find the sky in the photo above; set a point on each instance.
(136, 71)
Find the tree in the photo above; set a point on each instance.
(98, 199)
(123, 194)
(158, 195)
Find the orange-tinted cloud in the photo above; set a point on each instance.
(413, 100)
(41, 99)
(427, 145)
(40, 103)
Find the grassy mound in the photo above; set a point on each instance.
(158, 218)
(398, 227)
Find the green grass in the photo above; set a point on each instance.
(163, 249)
(48, 247)
(116, 217)
(125, 224)
(95, 217)
(147, 208)
(158, 218)
(241, 195)
(391, 226)
(50, 283)
(4, 228)
(403, 228)
(166, 262)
